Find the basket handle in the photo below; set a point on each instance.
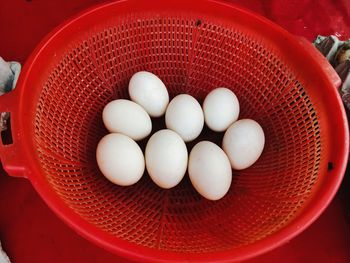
(11, 151)
(327, 68)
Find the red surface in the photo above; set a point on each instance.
(30, 232)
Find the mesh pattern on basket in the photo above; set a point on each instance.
(190, 57)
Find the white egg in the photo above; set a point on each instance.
(166, 158)
(221, 109)
(209, 170)
(120, 159)
(149, 91)
(184, 115)
(127, 117)
(243, 143)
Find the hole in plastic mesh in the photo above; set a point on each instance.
(192, 59)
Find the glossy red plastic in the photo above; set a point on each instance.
(194, 46)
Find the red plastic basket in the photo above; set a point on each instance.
(194, 46)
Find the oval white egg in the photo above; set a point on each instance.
(149, 91)
(120, 159)
(166, 158)
(209, 170)
(127, 117)
(243, 143)
(221, 109)
(184, 115)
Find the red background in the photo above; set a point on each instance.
(30, 232)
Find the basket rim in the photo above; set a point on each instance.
(139, 253)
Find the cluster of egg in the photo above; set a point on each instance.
(166, 158)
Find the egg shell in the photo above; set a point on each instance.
(221, 109)
(243, 143)
(209, 170)
(166, 158)
(120, 159)
(184, 115)
(127, 117)
(149, 91)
